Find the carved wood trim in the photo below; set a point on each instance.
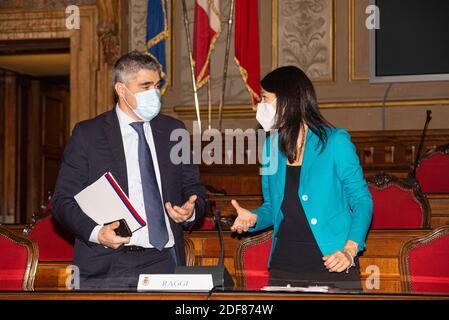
(404, 255)
(240, 271)
(32, 255)
(107, 30)
(189, 248)
(444, 149)
(39, 215)
(353, 77)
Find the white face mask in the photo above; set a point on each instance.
(266, 114)
(148, 104)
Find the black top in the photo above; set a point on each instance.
(296, 248)
(297, 258)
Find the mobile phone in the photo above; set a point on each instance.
(123, 229)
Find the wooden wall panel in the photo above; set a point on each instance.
(439, 206)
(2, 144)
(392, 151)
(53, 121)
(10, 149)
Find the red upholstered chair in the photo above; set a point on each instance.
(18, 261)
(207, 223)
(424, 263)
(397, 204)
(432, 170)
(55, 243)
(251, 261)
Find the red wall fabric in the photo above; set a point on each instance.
(429, 267)
(13, 263)
(54, 242)
(395, 208)
(433, 174)
(255, 263)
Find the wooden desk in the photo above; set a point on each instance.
(71, 295)
(217, 296)
(242, 296)
(382, 250)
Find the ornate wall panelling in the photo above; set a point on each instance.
(303, 35)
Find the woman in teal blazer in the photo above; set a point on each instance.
(317, 201)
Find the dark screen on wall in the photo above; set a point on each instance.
(413, 38)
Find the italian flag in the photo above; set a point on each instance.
(207, 28)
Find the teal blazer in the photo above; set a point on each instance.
(332, 191)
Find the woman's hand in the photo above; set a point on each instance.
(341, 260)
(338, 261)
(245, 218)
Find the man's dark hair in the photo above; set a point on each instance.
(130, 64)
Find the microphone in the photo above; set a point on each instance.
(217, 220)
(412, 173)
(221, 277)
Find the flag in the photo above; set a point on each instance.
(207, 29)
(157, 35)
(247, 52)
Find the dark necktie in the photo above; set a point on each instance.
(151, 195)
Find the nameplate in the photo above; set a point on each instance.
(175, 282)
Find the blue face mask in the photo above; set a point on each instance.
(148, 104)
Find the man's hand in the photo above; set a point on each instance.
(184, 213)
(108, 237)
(245, 219)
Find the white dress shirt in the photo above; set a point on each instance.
(135, 193)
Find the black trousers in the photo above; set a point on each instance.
(125, 268)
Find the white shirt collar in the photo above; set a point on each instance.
(123, 118)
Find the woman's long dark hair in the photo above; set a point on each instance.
(296, 104)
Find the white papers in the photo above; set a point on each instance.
(104, 201)
(297, 289)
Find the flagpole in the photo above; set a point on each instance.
(192, 70)
(209, 109)
(225, 67)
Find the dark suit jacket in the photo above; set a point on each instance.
(96, 147)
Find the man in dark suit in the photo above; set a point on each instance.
(132, 141)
